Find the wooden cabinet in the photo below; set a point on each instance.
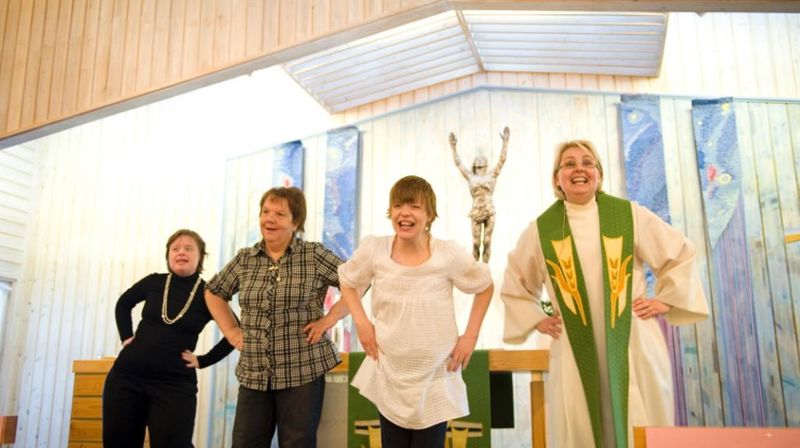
(8, 429)
(86, 421)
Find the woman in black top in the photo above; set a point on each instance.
(153, 382)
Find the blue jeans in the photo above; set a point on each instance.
(295, 412)
(393, 436)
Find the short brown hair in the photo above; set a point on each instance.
(411, 189)
(296, 200)
(585, 144)
(201, 245)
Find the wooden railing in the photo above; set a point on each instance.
(86, 426)
(533, 361)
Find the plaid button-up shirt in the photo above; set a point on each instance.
(278, 299)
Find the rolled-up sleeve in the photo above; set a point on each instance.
(225, 283)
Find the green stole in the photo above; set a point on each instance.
(561, 255)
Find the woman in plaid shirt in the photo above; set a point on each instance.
(285, 352)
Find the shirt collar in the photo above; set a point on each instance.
(259, 247)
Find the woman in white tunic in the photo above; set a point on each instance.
(412, 372)
(602, 380)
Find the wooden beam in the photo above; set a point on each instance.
(634, 5)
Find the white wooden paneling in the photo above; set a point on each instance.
(17, 171)
(111, 192)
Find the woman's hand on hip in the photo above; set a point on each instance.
(316, 329)
(645, 308)
(551, 326)
(235, 337)
(191, 359)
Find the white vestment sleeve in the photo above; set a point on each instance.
(522, 287)
(672, 257)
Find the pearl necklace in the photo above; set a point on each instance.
(164, 316)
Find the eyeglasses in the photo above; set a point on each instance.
(585, 164)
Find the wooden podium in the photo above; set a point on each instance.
(86, 421)
(86, 424)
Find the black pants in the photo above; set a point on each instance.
(166, 408)
(295, 412)
(393, 436)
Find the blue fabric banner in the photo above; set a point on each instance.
(287, 168)
(341, 191)
(645, 178)
(719, 166)
(340, 226)
(640, 120)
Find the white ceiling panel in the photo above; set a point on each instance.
(458, 43)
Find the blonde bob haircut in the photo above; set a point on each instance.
(585, 144)
(412, 189)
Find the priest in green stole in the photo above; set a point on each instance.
(609, 364)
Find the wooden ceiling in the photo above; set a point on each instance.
(69, 63)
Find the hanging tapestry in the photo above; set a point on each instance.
(287, 168)
(645, 178)
(340, 226)
(719, 166)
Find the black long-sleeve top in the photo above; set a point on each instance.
(155, 351)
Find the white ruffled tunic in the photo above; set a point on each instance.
(415, 327)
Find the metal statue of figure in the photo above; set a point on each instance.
(481, 186)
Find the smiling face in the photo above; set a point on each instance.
(412, 207)
(276, 223)
(410, 220)
(183, 256)
(578, 176)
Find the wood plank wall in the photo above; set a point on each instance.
(61, 58)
